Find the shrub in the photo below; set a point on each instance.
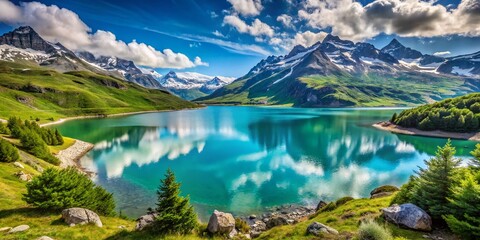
(343, 200)
(59, 189)
(242, 226)
(175, 214)
(371, 230)
(4, 129)
(405, 195)
(34, 144)
(8, 153)
(15, 126)
(476, 157)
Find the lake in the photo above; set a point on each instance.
(245, 159)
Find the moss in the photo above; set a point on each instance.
(382, 189)
(343, 200)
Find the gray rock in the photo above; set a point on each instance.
(44, 238)
(74, 216)
(4, 229)
(252, 216)
(317, 229)
(408, 215)
(19, 165)
(20, 228)
(233, 233)
(320, 205)
(276, 221)
(221, 223)
(145, 221)
(24, 176)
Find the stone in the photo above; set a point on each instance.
(145, 221)
(233, 233)
(4, 229)
(221, 223)
(24, 176)
(20, 228)
(44, 238)
(408, 215)
(252, 216)
(380, 195)
(276, 221)
(320, 205)
(317, 229)
(19, 165)
(74, 216)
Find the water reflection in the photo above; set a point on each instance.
(242, 159)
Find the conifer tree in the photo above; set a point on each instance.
(465, 220)
(434, 183)
(476, 157)
(8, 153)
(175, 214)
(59, 137)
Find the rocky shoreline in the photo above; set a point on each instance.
(70, 156)
(388, 126)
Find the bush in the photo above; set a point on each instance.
(405, 195)
(242, 226)
(343, 200)
(34, 144)
(8, 153)
(4, 129)
(60, 189)
(329, 207)
(371, 230)
(175, 214)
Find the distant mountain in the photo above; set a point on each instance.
(191, 85)
(339, 73)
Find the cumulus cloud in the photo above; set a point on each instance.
(349, 19)
(247, 7)
(305, 39)
(62, 25)
(442, 53)
(286, 20)
(258, 28)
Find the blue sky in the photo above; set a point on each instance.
(231, 36)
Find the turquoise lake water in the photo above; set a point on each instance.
(245, 159)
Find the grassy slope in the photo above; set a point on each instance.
(368, 90)
(74, 93)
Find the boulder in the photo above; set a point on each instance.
(317, 229)
(408, 215)
(19, 165)
(24, 176)
(221, 223)
(20, 228)
(257, 228)
(276, 221)
(145, 221)
(74, 216)
(44, 238)
(320, 205)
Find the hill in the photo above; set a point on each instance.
(30, 91)
(340, 73)
(460, 114)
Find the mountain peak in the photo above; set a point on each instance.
(25, 37)
(24, 30)
(331, 38)
(171, 74)
(393, 44)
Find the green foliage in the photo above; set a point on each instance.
(476, 157)
(59, 189)
(15, 126)
(35, 145)
(461, 114)
(405, 195)
(8, 153)
(435, 182)
(343, 200)
(175, 214)
(394, 118)
(4, 129)
(465, 220)
(385, 188)
(371, 230)
(242, 226)
(329, 207)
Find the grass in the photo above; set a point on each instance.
(67, 142)
(31, 92)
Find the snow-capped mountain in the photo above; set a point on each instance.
(342, 65)
(191, 85)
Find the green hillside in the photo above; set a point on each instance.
(342, 90)
(460, 114)
(30, 91)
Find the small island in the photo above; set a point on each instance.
(456, 118)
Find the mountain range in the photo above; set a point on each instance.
(25, 45)
(341, 73)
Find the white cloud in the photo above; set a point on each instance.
(258, 28)
(62, 25)
(198, 62)
(308, 38)
(286, 20)
(442, 53)
(218, 34)
(247, 7)
(349, 19)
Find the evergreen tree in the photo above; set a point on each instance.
(59, 137)
(8, 153)
(465, 220)
(394, 118)
(434, 183)
(476, 157)
(175, 214)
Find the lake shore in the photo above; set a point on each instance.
(69, 157)
(387, 126)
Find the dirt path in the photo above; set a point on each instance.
(387, 126)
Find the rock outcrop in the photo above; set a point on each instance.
(317, 229)
(145, 221)
(74, 216)
(408, 215)
(221, 223)
(320, 205)
(383, 191)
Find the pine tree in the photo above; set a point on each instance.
(8, 153)
(175, 214)
(394, 118)
(465, 220)
(59, 137)
(434, 183)
(476, 157)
